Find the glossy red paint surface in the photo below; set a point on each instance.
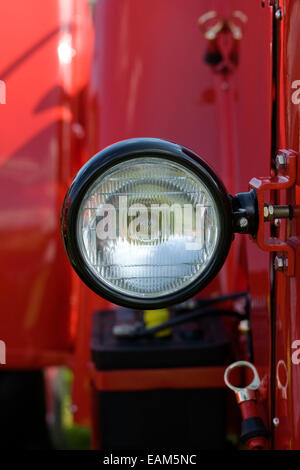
(149, 79)
(287, 404)
(44, 64)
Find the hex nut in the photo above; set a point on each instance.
(279, 263)
(268, 212)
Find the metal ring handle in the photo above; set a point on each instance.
(252, 386)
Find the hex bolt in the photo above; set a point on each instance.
(277, 212)
(243, 222)
(280, 162)
(279, 263)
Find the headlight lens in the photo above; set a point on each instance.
(146, 223)
(148, 227)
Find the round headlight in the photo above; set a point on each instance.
(146, 223)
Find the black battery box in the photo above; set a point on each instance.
(162, 418)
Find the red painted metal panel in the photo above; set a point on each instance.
(149, 78)
(287, 405)
(44, 64)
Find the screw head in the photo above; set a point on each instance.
(225, 86)
(243, 222)
(277, 223)
(280, 162)
(275, 422)
(74, 408)
(279, 263)
(244, 326)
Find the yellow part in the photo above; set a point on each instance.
(154, 318)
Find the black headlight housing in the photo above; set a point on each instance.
(136, 149)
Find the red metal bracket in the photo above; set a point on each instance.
(285, 179)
